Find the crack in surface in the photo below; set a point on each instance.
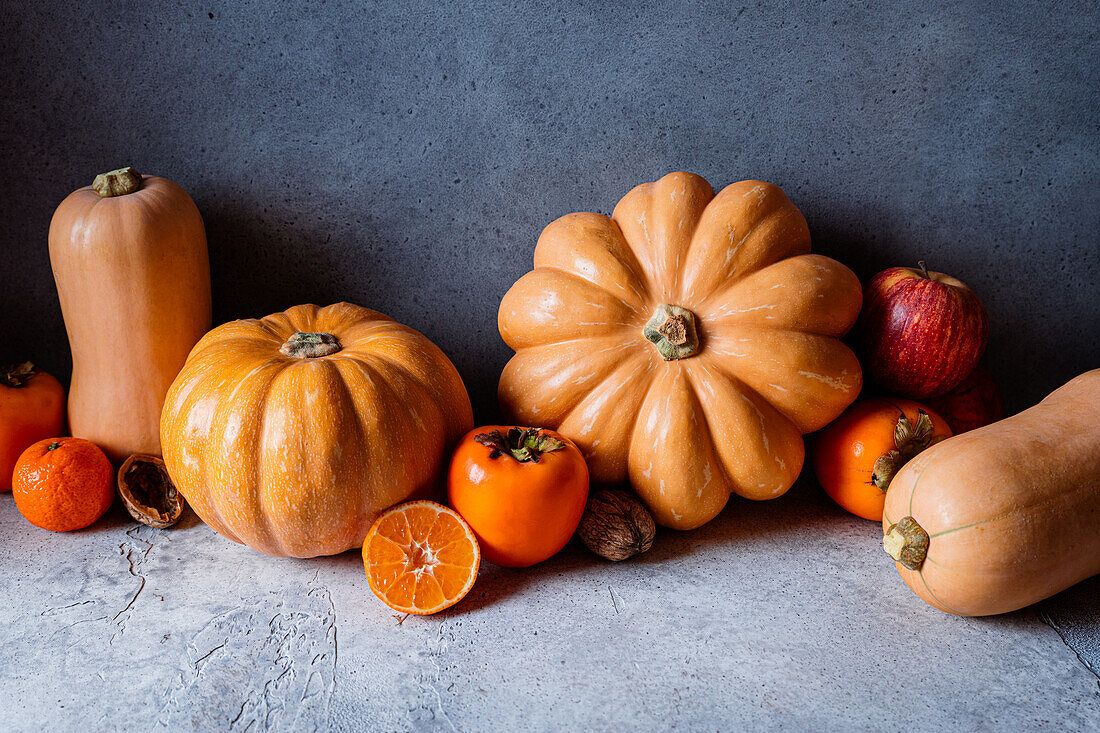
(136, 556)
(59, 609)
(269, 664)
(428, 682)
(1046, 619)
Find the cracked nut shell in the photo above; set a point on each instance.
(147, 491)
(616, 525)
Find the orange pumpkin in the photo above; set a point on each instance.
(32, 408)
(292, 433)
(686, 343)
(129, 259)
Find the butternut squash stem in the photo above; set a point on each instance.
(117, 182)
(310, 345)
(672, 330)
(907, 543)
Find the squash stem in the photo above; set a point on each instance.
(117, 182)
(310, 345)
(907, 543)
(672, 331)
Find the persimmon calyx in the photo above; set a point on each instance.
(18, 375)
(117, 182)
(526, 445)
(672, 330)
(907, 543)
(909, 440)
(306, 345)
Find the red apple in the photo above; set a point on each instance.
(975, 403)
(923, 332)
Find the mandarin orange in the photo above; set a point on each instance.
(63, 484)
(421, 557)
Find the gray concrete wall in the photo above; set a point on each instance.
(406, 155)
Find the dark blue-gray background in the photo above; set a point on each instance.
(405, 156)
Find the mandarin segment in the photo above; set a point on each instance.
(420, 557)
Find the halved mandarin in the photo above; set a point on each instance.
(421, 557)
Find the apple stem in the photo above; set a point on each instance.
(923, 269)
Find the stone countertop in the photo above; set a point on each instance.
(785, 614)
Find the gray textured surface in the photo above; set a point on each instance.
(405, 157)
(786, 613)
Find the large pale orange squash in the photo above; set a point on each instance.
(292, 433)
(685, 343)
(129, 259)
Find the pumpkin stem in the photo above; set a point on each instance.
(907, 543)
(306, 345)
(672, 330)
(523, 444)
(117, 182)
(19, 375)
(909, 440)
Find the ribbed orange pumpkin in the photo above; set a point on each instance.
(292, 433)
(685, 344)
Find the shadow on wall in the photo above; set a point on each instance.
(33, 326)
(262, 264)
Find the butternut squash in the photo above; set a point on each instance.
(1006, 515)
(130, 262)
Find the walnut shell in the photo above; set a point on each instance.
(616, 525)
(147, 491)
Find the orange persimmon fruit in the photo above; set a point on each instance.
(523, 491)
(420, 557)
(63, 484)
(32, 408)
(857, 455)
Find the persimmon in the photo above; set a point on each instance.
(975, 403)
(420, 557)
(857, 455)
(32, 408)
(522, 490)
(63, 484)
